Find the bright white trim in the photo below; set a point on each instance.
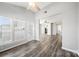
(12, 45)
(70, 50)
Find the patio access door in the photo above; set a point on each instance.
(5, 30)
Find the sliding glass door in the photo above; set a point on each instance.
(5, 30)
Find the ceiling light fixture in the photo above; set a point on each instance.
(33, 6)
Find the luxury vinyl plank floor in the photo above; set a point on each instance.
(36, 49)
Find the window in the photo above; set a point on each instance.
(5, 31)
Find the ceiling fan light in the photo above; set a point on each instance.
(33, 6)
(31, 3)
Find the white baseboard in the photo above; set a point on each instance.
(12, 45)
(71, 50)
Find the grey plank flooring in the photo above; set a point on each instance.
(47, 47)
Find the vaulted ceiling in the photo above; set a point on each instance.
(41, 5)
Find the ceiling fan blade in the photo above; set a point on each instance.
(33, 6)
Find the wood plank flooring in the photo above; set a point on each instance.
(47, 47)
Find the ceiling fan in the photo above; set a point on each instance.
(33, 6)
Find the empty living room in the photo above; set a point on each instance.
(39, 29)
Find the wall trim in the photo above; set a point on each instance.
(12, 45)
(71, 50)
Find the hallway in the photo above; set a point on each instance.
(47, 47)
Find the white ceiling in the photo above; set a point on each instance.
(41, 5)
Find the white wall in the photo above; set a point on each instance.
(69, 31)
(37, 32)
(67, 11)
(78, 24)
(18, 13)
(49, 29)
(54, 29)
